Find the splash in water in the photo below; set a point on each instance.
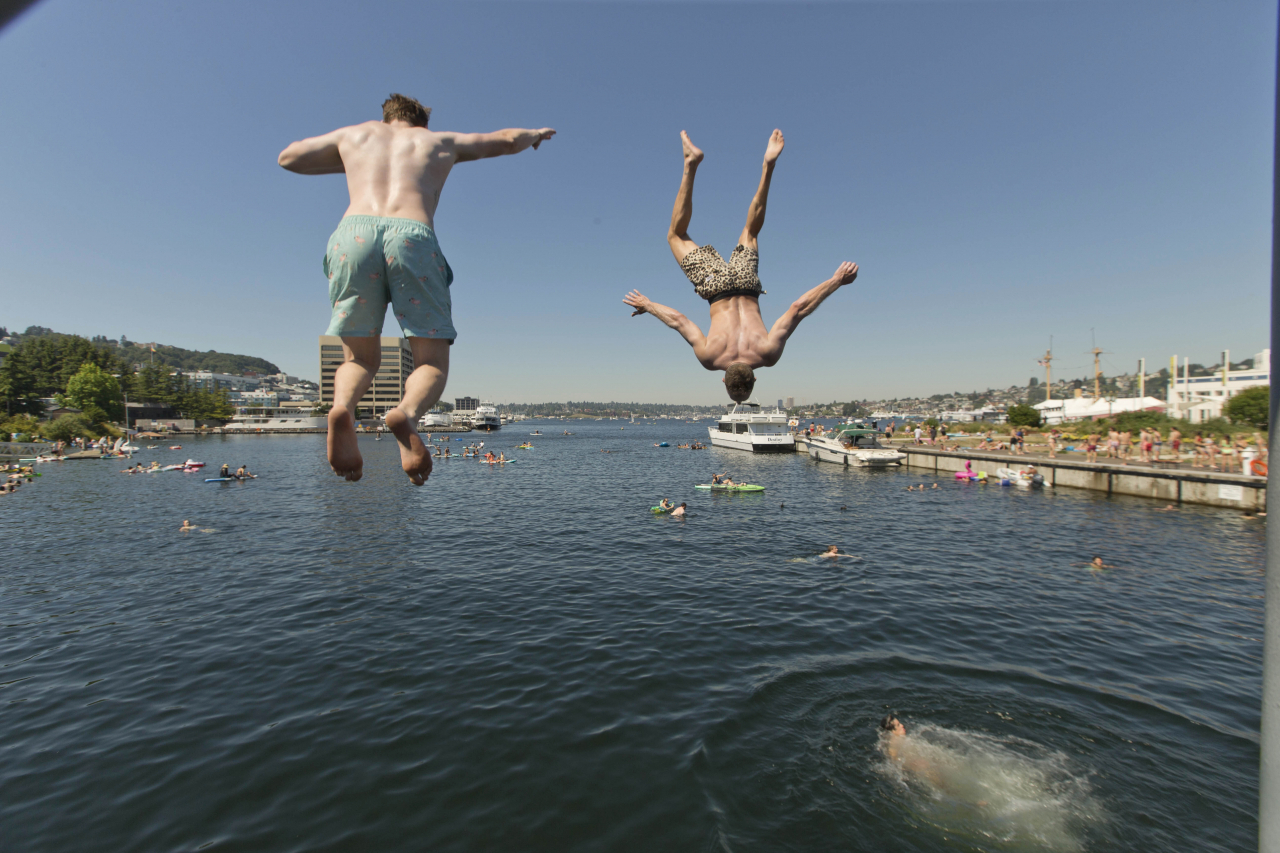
(998, 793)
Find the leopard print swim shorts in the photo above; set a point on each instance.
(713, 279)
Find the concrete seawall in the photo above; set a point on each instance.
(1236, 491)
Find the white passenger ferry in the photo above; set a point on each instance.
(486, 418)
(435, 419)
(748, 427)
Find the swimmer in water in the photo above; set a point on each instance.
(678, 511)
(666, 505)
(893, 740)
(186, 525)
(1097, 563)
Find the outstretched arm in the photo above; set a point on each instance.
(477, 146)
(673, 318)
(807, 304)
(315, 156)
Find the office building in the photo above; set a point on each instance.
(465, 406)
(791, 403)
(388, 384)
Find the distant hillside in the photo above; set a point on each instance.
(183, 359)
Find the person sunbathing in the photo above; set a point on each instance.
(737, 341)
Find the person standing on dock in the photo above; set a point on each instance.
(737, 341)
(385, 251)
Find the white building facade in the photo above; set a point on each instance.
(1200, 398)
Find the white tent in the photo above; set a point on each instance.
(1082, 408)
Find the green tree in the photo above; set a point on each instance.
(18, 391)
(1251, 406)
(68, 427)
(93, 386)
(1024, 416)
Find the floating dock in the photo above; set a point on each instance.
(1171, 485)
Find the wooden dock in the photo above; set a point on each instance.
(1171, 485)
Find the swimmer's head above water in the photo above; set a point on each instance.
(892, 725)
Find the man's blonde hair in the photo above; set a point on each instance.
(404, 108)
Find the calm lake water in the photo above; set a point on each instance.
(526, 658)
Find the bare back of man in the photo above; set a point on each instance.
(385, 251)
(737, 341)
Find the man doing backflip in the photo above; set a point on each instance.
(385, 251)
(737, 341)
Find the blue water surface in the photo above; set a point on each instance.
(526, 658)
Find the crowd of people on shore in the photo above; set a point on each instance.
(1147, 445)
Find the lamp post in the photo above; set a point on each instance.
(1269, 765)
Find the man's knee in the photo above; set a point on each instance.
(430, 352)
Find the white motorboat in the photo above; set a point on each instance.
(748, 427)
(853, 446)
(436, 419)
(486, 418)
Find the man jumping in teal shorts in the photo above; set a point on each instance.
(385, 251)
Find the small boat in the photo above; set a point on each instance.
(736, 487)
(853, 446)
(1008, 476)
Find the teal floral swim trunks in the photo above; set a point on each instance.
(375, 260)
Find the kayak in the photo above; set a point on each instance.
(744, 487)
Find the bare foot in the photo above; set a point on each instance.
(775, 147)
(344, 449)
(414, 457)
(692, 153)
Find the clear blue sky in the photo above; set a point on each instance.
(1002, 172)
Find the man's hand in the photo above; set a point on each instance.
(545, 133)
(845, 273)
(635, 299)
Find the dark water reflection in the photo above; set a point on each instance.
(526, 658)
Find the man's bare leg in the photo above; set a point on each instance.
(350, 382)
(678, 233)
(421, 391)
(755, 213)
